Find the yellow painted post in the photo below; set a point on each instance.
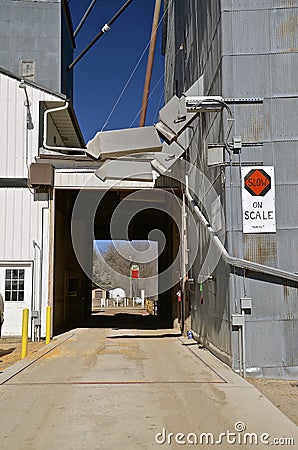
(25, 322)
(48, 324)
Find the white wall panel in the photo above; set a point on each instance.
(20, 224)
(16, 140)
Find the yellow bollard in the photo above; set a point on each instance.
(25, 333)
(48, 324)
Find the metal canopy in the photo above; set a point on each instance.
(67, 126)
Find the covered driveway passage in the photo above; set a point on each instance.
(151, 217)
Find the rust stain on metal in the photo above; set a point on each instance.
(260, 249)
(257, 127)
(286, 291)
(288, 28)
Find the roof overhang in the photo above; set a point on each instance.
(66, 123)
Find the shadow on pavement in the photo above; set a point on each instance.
(7, 351)
(145, 336)
(123, 320)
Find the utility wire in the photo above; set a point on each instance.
(134, 70)
(151, 93)
(161, 100)
(82, 21)
(104, 29)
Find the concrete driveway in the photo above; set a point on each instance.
(108, 388)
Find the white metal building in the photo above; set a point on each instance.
(44, 168)
(25, 214)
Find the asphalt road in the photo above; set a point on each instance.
(133, 388)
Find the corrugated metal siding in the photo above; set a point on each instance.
(251, 75)
(263, 60)
(283, 118)
(271, 329)
(233, 5)
(31, 30)
(76, 179)
(263, 335)
(248, 48)
(261, 249)
(13, 116)
(20, 223)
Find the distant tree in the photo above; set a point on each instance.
(112, 269)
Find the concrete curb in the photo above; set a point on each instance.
(21, 365)
(222, 369)
(240, 391)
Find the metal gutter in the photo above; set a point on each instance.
(45, 135)
(231, 260)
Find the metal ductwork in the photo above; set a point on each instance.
(119, 169)
(117, 143)
(172, 128)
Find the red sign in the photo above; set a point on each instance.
(134, 273)
(257, 182)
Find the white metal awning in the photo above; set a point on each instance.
(67, 125)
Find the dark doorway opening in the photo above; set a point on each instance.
(72, 288)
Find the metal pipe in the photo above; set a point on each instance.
(38, 306)
(43, 209)
(233, 261)
(240, 350)
(104, 29)
(150, 62)
(183, 265)
(35, 305)
(243, 346)
(82, 21)
(45, 132)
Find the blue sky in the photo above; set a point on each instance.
(102, 73)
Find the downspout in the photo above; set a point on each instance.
(37, 304)
(231, 260)
(45, 132)
(41, 258)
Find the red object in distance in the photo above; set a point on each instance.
(134, 273)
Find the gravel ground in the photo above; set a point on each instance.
(283, 394)
(10, 351)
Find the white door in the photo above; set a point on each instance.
(16, 289)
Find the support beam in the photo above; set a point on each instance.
(150, 63)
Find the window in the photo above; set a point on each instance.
(14, 285)
(28, 70)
